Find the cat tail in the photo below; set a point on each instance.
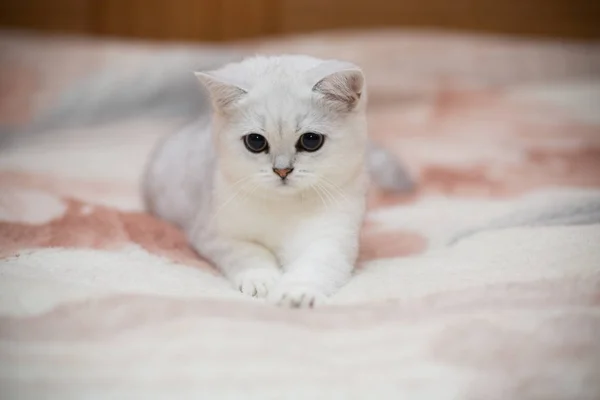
(574, 208)
(163, 85)
(387, 171)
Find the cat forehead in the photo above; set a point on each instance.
(283, 117)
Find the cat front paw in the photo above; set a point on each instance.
(256, 282)
(296, 295)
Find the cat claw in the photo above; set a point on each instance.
(256, 282)
(297, 296)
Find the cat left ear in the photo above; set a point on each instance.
(341, 84)
(222, 93)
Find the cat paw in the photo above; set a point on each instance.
(295, 295)
(256, 282)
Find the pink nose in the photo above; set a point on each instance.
(283, 172)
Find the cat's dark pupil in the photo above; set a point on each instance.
(311, 141)
(256, 142)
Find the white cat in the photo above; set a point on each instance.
(271, 188)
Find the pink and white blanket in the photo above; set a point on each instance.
(101, 300)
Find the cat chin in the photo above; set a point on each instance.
(286, 189)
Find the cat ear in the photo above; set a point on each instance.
(222, 93)
(340, 83)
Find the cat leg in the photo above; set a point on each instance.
(251, 268)
(311, 279)
(320, 261)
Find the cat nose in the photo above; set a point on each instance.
(283, 172)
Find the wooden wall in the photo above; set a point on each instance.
(218, 20)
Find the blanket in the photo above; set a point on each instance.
(483, 282)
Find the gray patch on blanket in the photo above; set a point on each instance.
(581, 210)
(5, 135)
(164, 86)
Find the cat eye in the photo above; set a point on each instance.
(310, 142)
(256, 143)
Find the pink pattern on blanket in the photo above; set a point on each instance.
(479, 122)
(98, 227)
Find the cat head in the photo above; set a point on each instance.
(288, 124)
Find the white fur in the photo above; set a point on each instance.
(293, 243)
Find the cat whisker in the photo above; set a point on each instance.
(328, 193)
(318, 192)
(242, 183)
(336, 188)
(249, 192)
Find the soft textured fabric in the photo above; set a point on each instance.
(100, 300)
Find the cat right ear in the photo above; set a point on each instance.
(340, 83)
(222, 93)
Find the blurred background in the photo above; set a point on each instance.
(214, 20)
